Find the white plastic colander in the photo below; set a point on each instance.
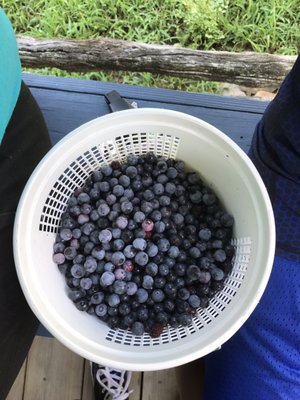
(222, 165)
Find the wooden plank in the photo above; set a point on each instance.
(16, 392)
(134, 92)
(87, 387)
(159, 385)
(53, 372)
(135, 386)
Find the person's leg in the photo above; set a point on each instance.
(25, 142)
(190, 378)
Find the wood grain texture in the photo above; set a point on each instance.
(158, 385)
(53, 372)
(246, 68)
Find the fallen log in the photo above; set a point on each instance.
(246, 68)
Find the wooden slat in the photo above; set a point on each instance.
(135, 385)
(87, 388)
(158, 385)
(53, 372)
(16, 392)
(156, 95)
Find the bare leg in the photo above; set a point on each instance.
(190, 379)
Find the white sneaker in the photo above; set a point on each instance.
(110, 383)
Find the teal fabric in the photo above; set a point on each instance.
(10, 72)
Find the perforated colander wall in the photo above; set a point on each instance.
(104, 153)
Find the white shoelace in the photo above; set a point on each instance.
(115, 382)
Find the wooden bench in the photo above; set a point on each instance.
(51, 371)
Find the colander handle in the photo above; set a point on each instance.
(117, 103)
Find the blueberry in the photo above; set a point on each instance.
(81, 304)
(90, 264)
(128, 193)
(163, 269)
(220, 255)
(139, 217)
(173, 251)
(193, 272)
(205, 234)
(130, 251)
(97, 298)
(227, 220)
(151, 269)
(106, 170)
(76, 294)
(194, 252)
(146, 207)
(194, 301)
(184, 319)
(77, 271)
(82, 219)
(131, 288)
(131, 171)
(163, 245)
(142, 313)
(164, 200)
(204, 277)
(141, 295)
(217, 274)
(159, 226)
(162, 178)
(151, 249)
(196, 197)
(104, 187)
(83, 198)
(59, 258)
(113, 300)
(159, 281)
(157, 295)
(124, 181)
(116, 233)
(141, 258)
(65, 234)
(138, 328)
(122, 222)
(101, 310)
(118, 258)
(105, 236)
(193, 178)
(120, 273)
(118, 244)
(87, 228)
(147, 282)
(172, 173)
(86, 283)
(148, 195)
(170, 188)
(158, 189)
(118, 190)
(139, 244)
(126, 207)
(111, 199)
(107, 278)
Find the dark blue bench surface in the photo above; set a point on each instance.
(68, 103)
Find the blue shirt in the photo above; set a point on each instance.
(262, 360)
(10, 72)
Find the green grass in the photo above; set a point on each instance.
(261, 25)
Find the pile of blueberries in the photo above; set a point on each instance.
(144, 244)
